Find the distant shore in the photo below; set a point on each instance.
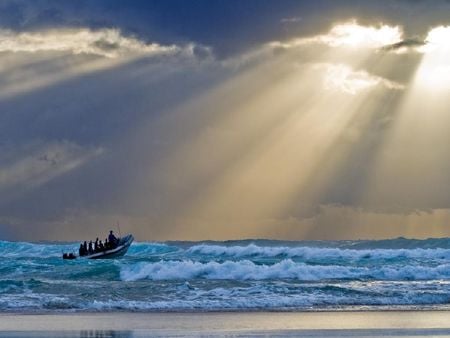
(314, 324)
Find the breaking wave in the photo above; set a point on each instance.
(285, 269)
(233, 275)
(308, 253)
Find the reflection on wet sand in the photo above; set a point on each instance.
(317, 333)
(68, 334)
(105, 334)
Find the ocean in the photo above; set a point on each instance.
(248, 275)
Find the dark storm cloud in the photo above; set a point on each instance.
(70, 141)
(68, 148)
(405, 44)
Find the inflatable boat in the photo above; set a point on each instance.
(119, 250)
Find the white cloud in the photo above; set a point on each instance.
(353, 34)
(438, 39)
(104, 42)
(343, 78)
(350, 34)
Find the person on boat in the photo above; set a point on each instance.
(85, 248)
(96, 248)
(81, 251)
(91, 249)
(112, 239)
(101, 247)
(106, 244)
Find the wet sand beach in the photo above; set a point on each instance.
(253, 324)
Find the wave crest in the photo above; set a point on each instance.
(315, 253)
(285, 269)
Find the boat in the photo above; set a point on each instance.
(118, 251)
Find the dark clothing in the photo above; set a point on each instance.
(91, 250)
(112, 240)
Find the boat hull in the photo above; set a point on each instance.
(120, 250)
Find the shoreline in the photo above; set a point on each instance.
(211, 322)
(70, 312)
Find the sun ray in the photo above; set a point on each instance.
(259, 153)
(414, 159)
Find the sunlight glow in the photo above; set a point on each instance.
(268, 143)
(438, 39)
(414, 158)
(350, 34)
(434, 71)
(435, 76)
(354, 35)
(336, 119)
(343, 78)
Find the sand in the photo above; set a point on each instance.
(256, 324)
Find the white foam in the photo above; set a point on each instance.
(315, 253)
(286, 269)
(262, 296)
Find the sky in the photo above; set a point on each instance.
(224, 119)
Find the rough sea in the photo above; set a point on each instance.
(251, 275)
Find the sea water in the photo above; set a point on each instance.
(250, 275)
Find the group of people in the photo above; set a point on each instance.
(98, 246)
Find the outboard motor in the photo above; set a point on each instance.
(69, 256)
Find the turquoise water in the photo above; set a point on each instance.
(229, 276)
